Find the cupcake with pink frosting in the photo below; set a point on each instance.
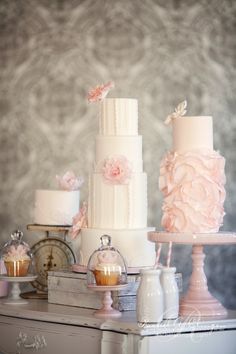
(107, 271)
(16, 256)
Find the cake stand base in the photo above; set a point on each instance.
(210, 307)
(198, 301)
(14, 295)
(107, 309)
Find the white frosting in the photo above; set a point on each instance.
(118, 206)
(108, 268)
(16, 258)
(118, 116)
(132, 244)
(55, 207)
(128, 146)
(191, 133)
(119, 210)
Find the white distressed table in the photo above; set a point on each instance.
(47, 328)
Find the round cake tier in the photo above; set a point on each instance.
(119, 116)
(192, 133)
(192, 184)
(118, 206)
(55, 207)
(128, 146)
(132, 244)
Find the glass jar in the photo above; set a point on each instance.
(16, 255)
(106, 266)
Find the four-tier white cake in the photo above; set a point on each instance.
(118, 187)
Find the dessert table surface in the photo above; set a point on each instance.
(26, 327)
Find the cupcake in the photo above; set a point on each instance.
(107, 272)
(17, 260)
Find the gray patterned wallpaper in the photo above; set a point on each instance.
(160, 51)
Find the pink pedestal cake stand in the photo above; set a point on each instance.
(107, 310)
(198, 300)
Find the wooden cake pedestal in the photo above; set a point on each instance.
(198, 300)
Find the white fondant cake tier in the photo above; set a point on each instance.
(132, 244)
(118, 206)
(128, 146)
(119, 116)
(55, 207)
(191, 133)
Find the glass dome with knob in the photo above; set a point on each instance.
(17, 256)
(106, 266)
(106, 272)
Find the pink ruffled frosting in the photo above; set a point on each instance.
(192, 184)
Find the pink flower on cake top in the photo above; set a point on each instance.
(100, 92)
(116, 170)
(192, 180)
(69, 181)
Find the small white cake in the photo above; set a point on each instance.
(55, 207)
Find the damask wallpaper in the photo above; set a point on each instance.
(159, 51)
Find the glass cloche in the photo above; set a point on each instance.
(17, 256)
(106, 266)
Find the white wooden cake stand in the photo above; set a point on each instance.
(198, 300)
(14, 295)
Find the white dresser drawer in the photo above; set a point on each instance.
(27, 336)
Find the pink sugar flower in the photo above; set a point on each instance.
(117, 170)
(79, 221)
(69, 181)
(100, 92)
(17, 252)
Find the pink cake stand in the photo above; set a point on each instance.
(198, 300)
(107, 310)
